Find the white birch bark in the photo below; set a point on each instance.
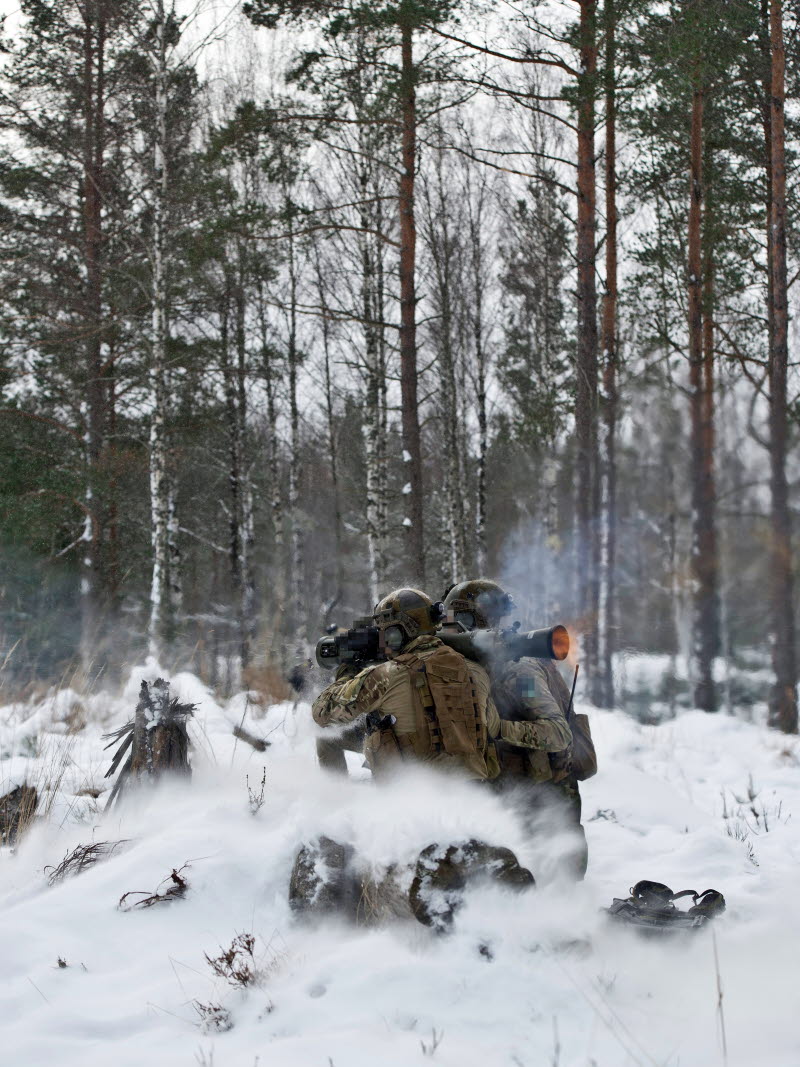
(159, 502)
(381, 459)
(88, 577)
(477, 269)
(483, 448)
(372, 405)
(445, 251)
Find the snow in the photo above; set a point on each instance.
(562, 986)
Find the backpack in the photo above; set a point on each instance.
(581, 758)
(449, 719)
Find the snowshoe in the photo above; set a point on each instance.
(651, 906)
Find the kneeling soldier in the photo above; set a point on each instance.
(531, 691)
(426, 702)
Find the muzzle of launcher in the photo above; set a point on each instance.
(552, 642)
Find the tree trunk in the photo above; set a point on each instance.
(783, 696)
(382, 487)
(333, 449)
(372, 412)
(234, 452)
(444, 249)
(245, 517)
(277, 606)
(92, 581)
(159, 482)
(412, 445)
(603, 682)
(293, 360)
(174, 554)
(477, 301)
(552, 583)
(674, 576)
(586, 384)
(705, 626)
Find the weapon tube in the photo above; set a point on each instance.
(361, 644)
(358, 645)
(552, 642)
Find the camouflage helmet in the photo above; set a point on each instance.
(405, 614)
(478, 604)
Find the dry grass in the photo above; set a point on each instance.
(256, 800)
(236, 964)
(56, 759)
(17, 811)
(177, 887)
(81, 859)
(214, 1019)
(267, 682)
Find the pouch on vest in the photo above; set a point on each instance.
(455, 724)
(381, 748)
(462, 730)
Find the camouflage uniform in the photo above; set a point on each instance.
(533, 691)
(392, 690)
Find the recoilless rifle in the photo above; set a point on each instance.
(361, 644)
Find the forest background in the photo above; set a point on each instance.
(306, 300)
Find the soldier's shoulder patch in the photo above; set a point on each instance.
(525, 678)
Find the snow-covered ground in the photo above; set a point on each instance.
(701, 801)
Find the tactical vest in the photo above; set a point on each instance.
(449, 720)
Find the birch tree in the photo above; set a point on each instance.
(162, 500)
(603, 682)
(441, 230)
(406, 19)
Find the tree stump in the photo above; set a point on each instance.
(155, 741)
(17, 810)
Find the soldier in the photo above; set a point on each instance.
(425, 702)
(533, 691)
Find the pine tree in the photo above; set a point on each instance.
(404, 20)
(66, 112)
(783, 698)
(689, 53)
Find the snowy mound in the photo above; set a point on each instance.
(540, 978)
